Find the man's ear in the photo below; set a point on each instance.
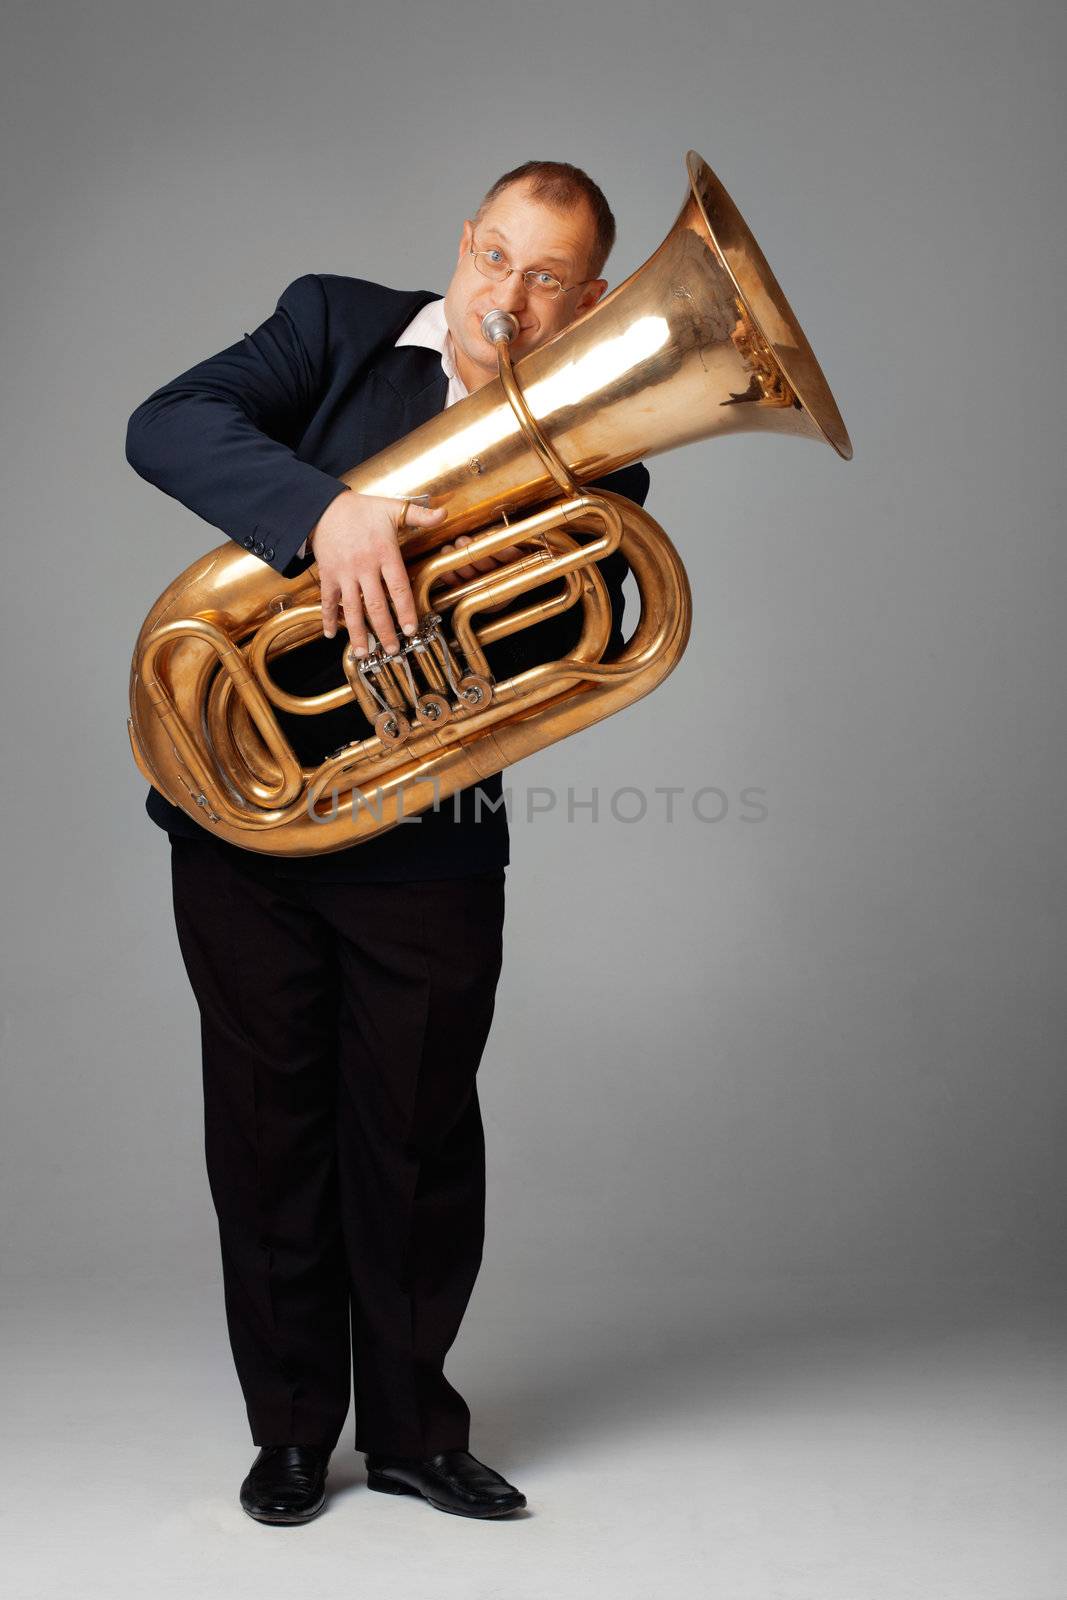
(590, 295)
(465, 240)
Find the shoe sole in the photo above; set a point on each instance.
(286, 1519)
(393, 1486)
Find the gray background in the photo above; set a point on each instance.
(773, 1108)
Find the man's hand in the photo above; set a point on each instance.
(357, 550)
(484, 563)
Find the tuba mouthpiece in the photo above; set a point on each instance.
(499, 327)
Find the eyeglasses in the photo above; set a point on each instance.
(493, 264)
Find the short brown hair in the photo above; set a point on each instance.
(559, 184)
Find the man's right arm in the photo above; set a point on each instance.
(222, 438)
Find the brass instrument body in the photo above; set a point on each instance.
(698, 341)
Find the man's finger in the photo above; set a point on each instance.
(418, 516)
(355, 621)
(379, 614)
(488, 563)
(396, 576)
(449, 549)
(329, 611)
(481, 564)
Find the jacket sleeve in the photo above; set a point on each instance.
(632, 481)
(222, 437)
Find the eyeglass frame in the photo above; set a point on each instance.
(527, 272)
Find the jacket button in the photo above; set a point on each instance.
(248, 542)
(269, 552)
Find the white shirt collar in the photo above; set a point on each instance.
(429, 329)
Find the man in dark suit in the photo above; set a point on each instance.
(346, 998)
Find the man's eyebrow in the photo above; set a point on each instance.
(559, 261)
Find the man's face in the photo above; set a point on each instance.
(528, 234)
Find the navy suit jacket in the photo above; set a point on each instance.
(255, 440)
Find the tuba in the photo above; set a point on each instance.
(699, 341)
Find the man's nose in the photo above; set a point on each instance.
(511, 294)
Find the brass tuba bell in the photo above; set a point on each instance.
(698, 341)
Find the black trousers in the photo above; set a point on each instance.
(342, 1026)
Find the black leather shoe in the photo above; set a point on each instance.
(452, 1480)
(287, 1483)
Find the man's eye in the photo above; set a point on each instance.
(545, 279)
(495, 256)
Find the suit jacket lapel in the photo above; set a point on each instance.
(404, 388)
